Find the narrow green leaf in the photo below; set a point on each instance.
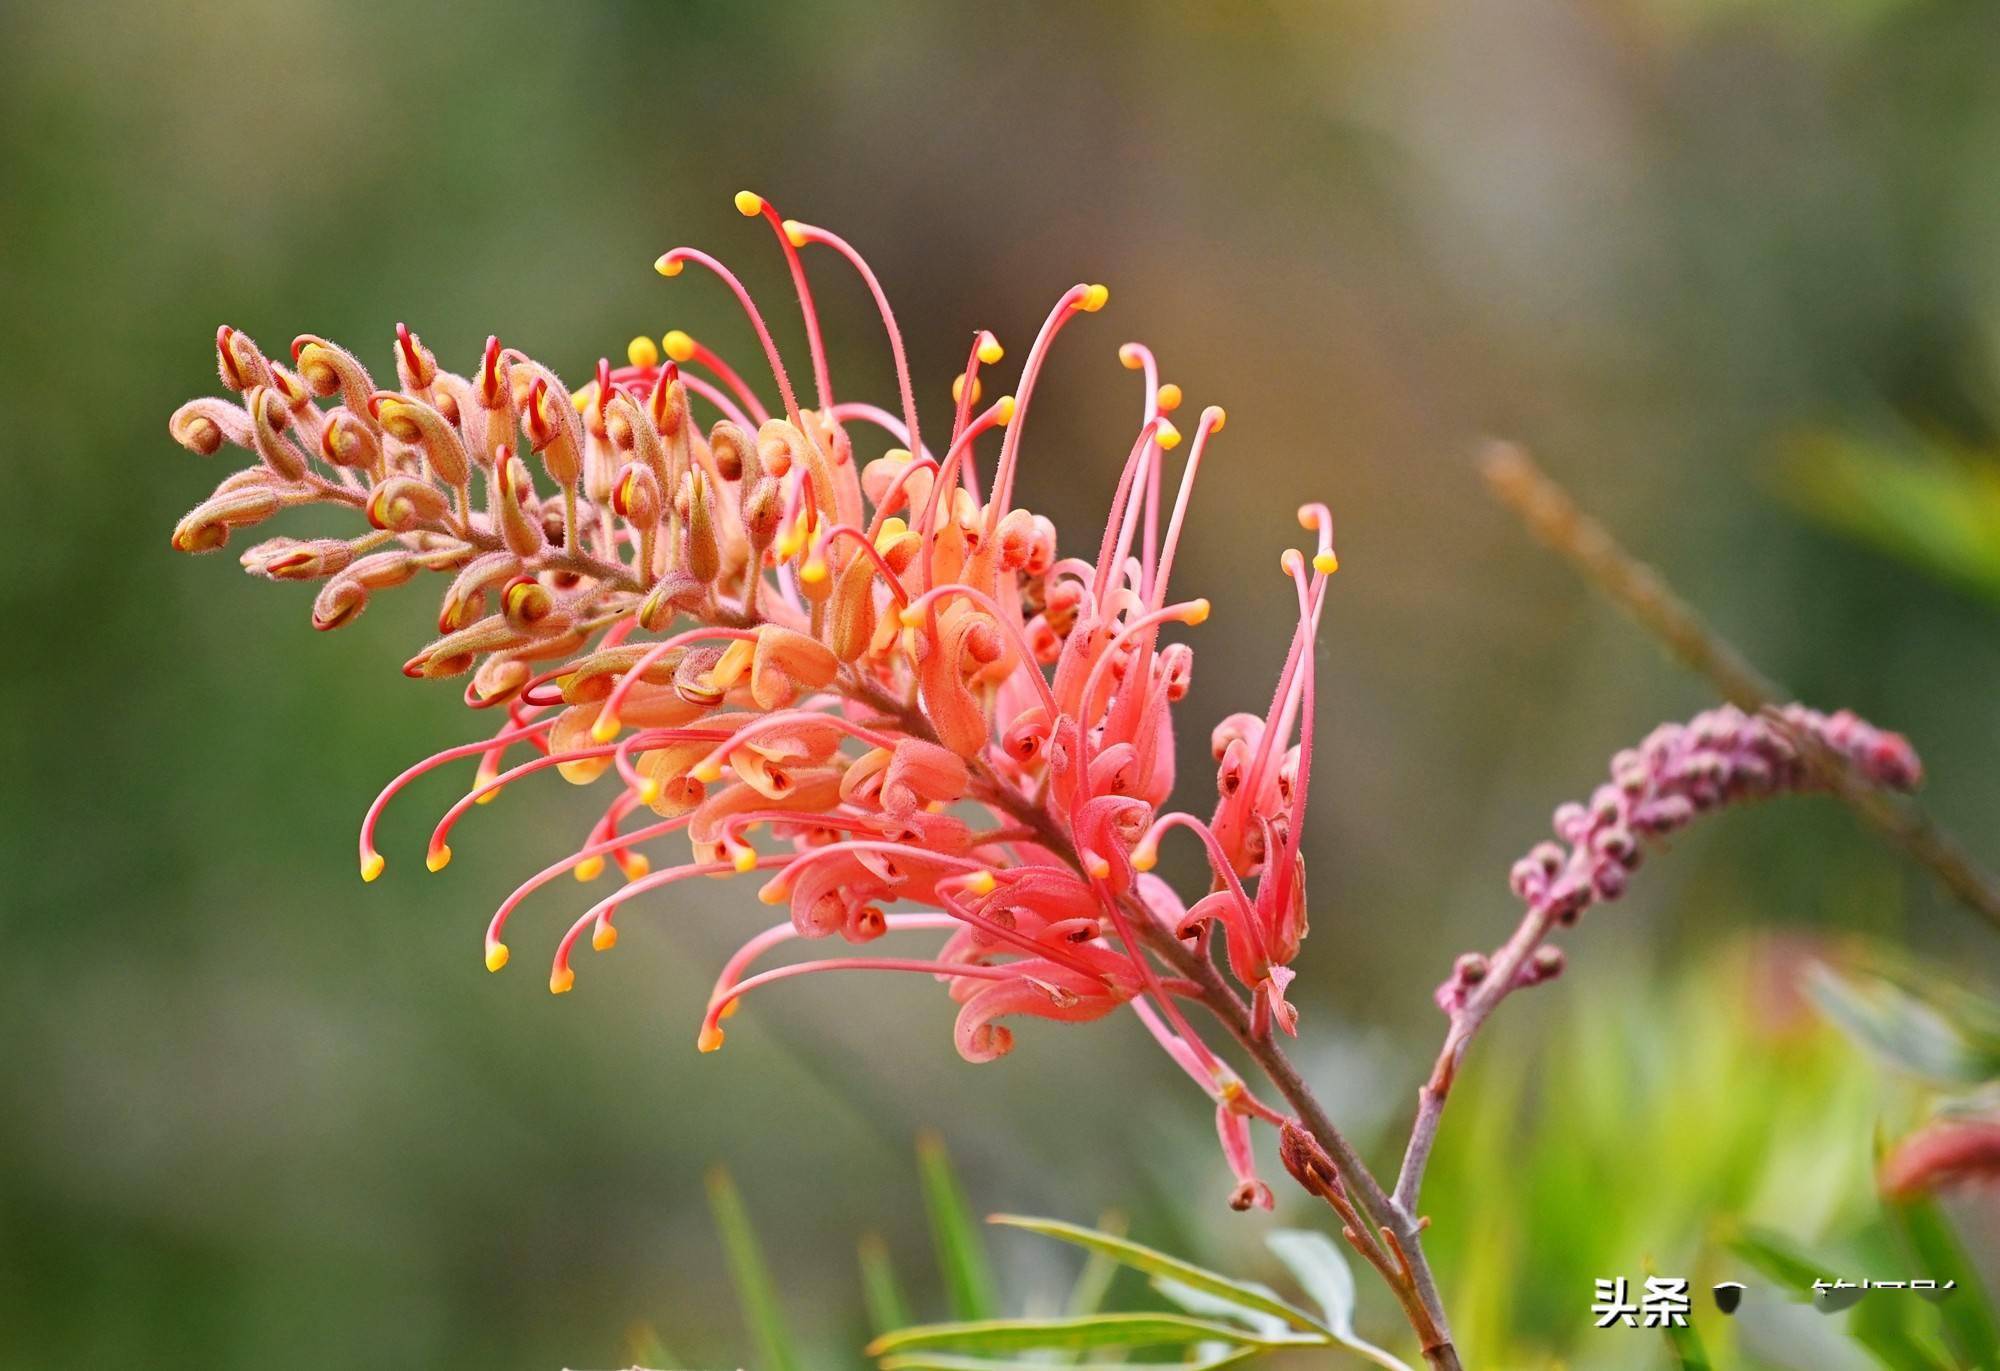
(1689, 1355)
(1210, 1306)
(1156, 1263)
(1099, 1330)
(1086, 1297)
(1887, 1329)
(961, 1252)
(879, 1291)
(1321, 1269)
(1781, 1261)
(947, 1361)
(1967, 1312)
(751, 1277)
(1899, 1027)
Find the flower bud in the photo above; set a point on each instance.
(293, 559)
(206, 527)
(422, 427)
(203, 426)
(345, 441)
(549, 420)
(340, 602)
(455, 653)
(328, 369)
(240, 361)
(850, 624)
(701, 551)
(382, 570)
(268, 417)
(465, 600)
(507, 492)
(635, 495)
(526, 603)
(675, 594)
(735, 455)
(500, 678)
(416, 366)
(403, 504)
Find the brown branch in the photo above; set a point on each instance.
(1553, 517)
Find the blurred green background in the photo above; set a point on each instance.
(1690, 251)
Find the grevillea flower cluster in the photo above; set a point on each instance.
(813, 647)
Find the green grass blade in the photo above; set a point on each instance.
(1099, 1330)
(961, 1252)
(755, 1290)
(880, 1293)
(947, 1361)
(1688, 1353)
(1781, 1261)
(1156, 1263)
(1086, 1297)
(1967, 1312)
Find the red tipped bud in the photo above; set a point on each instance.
(239, 360)
(404, 504)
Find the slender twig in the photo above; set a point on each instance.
(1553, 517)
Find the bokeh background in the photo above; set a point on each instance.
(1731, 268)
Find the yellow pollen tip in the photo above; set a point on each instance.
(649, 791)
(438, 858)
(605, 938)
(813, 572)
(496, 956)
(729, 1010)
(1094, 298)
(749, 204)
(958, 388)
(980, 883)
(773, 892)
(561, 980)
(990, 350)
(1096, 866)
(1196, 612)
(580, 401)
(910, 615)
(667, 264)
(795, 233)
(1217, 416)
(371, 866)
(678, 345)
(636, 866)
(708, 771)
(1145, 857)
(1167, 436)
(744, 859)
(1128, 356)
(892, 529)
(605, 729)
(1004, 410)
(710, 1038)
(1169, 398)
(1326, 563)
(489, 796)
(590, 868)
(642, 352)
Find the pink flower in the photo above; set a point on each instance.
(847, 662)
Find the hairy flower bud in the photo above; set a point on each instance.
(403, 504)
(268, 417)
(508, 492)
(206, 527)
(346, 441)
(203, 426)
(240, 361)
(465, 600)
(328, 369)
(340, 602)
(290, 559)
(702, 554)
(422, 427)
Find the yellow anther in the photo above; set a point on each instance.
(708, 771)
(371, 866)
(580, 400)
(729, 1010)
(981, 883)
(642, 352)
(1167, 436)
(667, 264)
(590, 868)
(496, 956)
(744, 859)
(774, 892)
(958, 388)
(749, 204)
(438, 858)
(1169, 398)
(649, 791)
(487, 797)
(710, 1038)
(990, 350)
(605, 937)
(1003, 410)
(814, 571)
(606, 727)
(1217, 416)
(911, 615)
(678, 345)
(892, 529)
(1096, 867)
(635, 866)
(1094, 298)
(1145, 857)
(795, 233)
(1326, 563)
(560, 980)
(1196, 612)
(1129, 354)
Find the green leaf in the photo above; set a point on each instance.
(752, 1278)
(1887, 1328)
(1689, 1354)
(1099, 1330)
(1781, 1261)
(946, 1361)
(1211, 1306)
(1094, 1281)
(1156, 1263)
(1900, 1027)
(1316, 1262)
(1967, 1313)
(961, 1253)
(880, 1293)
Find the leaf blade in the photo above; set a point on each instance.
(755, 1290)
(961, 1253)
